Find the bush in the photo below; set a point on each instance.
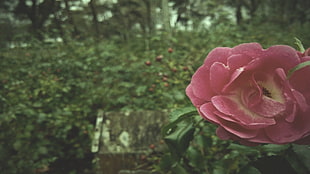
(50, 94)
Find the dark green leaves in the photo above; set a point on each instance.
(179, 132)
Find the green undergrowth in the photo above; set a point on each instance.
(50, 94)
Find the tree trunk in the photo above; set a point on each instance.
(70, 19)
(238, 12)
(59, 27)
(92, 5)
(33, 14)
(165, 16)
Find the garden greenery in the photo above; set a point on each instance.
(50, 95)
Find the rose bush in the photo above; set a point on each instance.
(245, 91)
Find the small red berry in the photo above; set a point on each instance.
(151, 89)
(148, 63)
(152, 146)
(143, 157)
(159, 58)
(170, 50)
(185, 68)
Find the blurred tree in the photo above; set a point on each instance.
(71, 19)
(130, 17)
(165, 15)
(287, 11)
(92, 5)
(193, 14)
(37, 11)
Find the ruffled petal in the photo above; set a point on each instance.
(237, 61)
(207, 111)
(282, 56)
(233, 107)
(194, 99)
(250, 49)
(300, 99)
(285, 132)
(200, 84)
(219, 76)
(268, 108)
(219, 54)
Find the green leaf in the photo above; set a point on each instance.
(274, 148)
(42, 150)
(249, 170)
(166, 162)
(303, 154)
(299, 45)
(195, 157)
(182, 112)
(243, 149)
(17, 145)
(178, 137)
(179, 132)
(219, 170)
(178, 169)
(297, 67)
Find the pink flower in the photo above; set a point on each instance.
(245, 91)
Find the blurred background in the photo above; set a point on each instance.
(63, 61)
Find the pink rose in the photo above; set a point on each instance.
(245, 91)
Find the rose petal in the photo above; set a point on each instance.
(268, 107)
(298, 82)
(250, 49)
(285, 132)
(233, 78)
(223, 134)
(219, 76)
(261, 137)
(195, 100)
(291, 112)
(231, 106)
(282, 56)
(300, 99)
(207, 111)
(219, 54)
(237, 61)
(303, 141)
(200, 84)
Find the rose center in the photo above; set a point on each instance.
(266, 92)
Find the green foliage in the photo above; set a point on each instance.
(44, 116)
(193, 148)
(50, 95)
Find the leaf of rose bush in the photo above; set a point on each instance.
(182, 112)
(178, 137)
(299, 45)
(273, 148)
(249, 170)
(244, 149)
(180, 131)
(303, 155)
